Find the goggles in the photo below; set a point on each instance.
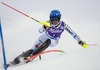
(54, 19)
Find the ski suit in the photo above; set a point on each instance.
(54, 33)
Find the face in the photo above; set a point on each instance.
(55, 22)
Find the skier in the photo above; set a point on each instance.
(50, 37)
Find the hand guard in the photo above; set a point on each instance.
(83, 44)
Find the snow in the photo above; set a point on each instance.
(20, 33)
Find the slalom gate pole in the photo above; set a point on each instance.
(3, 49)
(44, 23)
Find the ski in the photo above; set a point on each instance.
(24, 61)
(41, 53)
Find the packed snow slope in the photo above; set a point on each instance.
(21, 37)
(20, 33)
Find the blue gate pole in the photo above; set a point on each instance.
(3, 49)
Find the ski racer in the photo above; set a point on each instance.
(50, 36)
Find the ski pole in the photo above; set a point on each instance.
(44, 23)
(92, 44)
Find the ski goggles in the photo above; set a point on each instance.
(55, 19)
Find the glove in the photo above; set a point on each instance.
(45, 27)
(83, 44)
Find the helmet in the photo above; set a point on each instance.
(55, 15)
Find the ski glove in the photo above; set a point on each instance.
(83, 44)
(45, 27)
